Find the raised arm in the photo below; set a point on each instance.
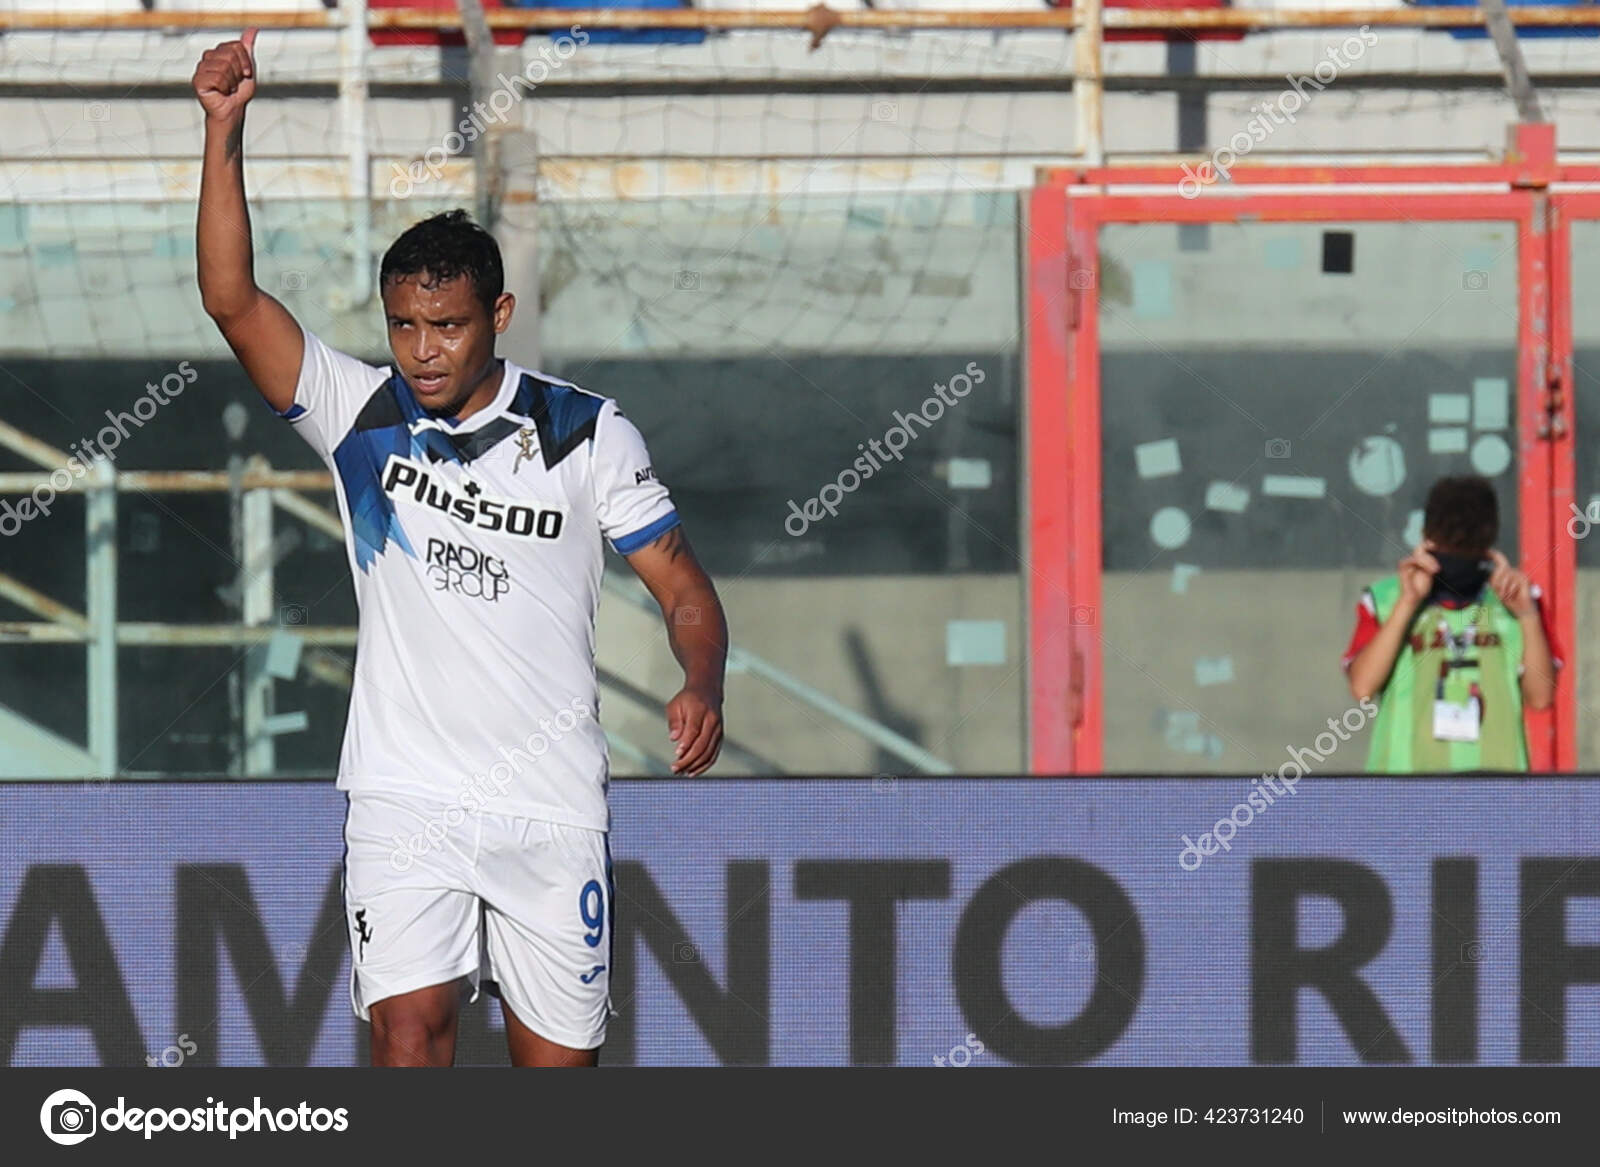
(698, 634)
(1369, 671)
(263, 335)
(1538, 668)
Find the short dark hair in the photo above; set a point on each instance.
(445, 246)
(1462, 513)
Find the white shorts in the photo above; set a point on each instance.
(433, 893)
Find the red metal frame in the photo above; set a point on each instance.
(1053, 714)
(1537, 545)
(1066, 722)
(1564, 209)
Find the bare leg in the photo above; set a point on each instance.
(417, 1028)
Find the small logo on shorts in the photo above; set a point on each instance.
(588, 977)
(363, 932)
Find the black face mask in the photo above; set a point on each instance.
(1460, 578)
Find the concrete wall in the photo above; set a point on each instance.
(878, 645)
(1285, 644)
(1283, 631)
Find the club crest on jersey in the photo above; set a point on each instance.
(468, 504)
(525, 439)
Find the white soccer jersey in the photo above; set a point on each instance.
(476, 553)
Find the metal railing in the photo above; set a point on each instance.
(259, 491)
(1088, 20)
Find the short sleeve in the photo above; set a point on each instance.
(332, 388)
(1366, 628)
(633, 506)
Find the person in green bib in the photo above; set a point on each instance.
(1453, 646)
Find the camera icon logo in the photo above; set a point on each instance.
(686, 281)
(293, 281)
(1080, 279)
(1277, 447)
(292, 615)
(1582, 522)
(685, 953)
(1474, 281)
(68, 1117)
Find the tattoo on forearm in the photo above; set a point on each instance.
(235, 142)
(675, 543)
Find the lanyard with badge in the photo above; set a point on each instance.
(1458, 721)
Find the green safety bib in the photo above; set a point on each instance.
(1403, 740)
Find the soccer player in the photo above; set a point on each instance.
(1453, 646)
(474, 494)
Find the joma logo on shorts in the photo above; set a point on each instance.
(403, 478)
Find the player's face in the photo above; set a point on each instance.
(442, 338)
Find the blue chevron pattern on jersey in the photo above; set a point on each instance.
(564, 415)
(382, 429)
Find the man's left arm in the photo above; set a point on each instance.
(698, 634)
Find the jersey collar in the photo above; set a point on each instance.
(465, 441)
(509, 375)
